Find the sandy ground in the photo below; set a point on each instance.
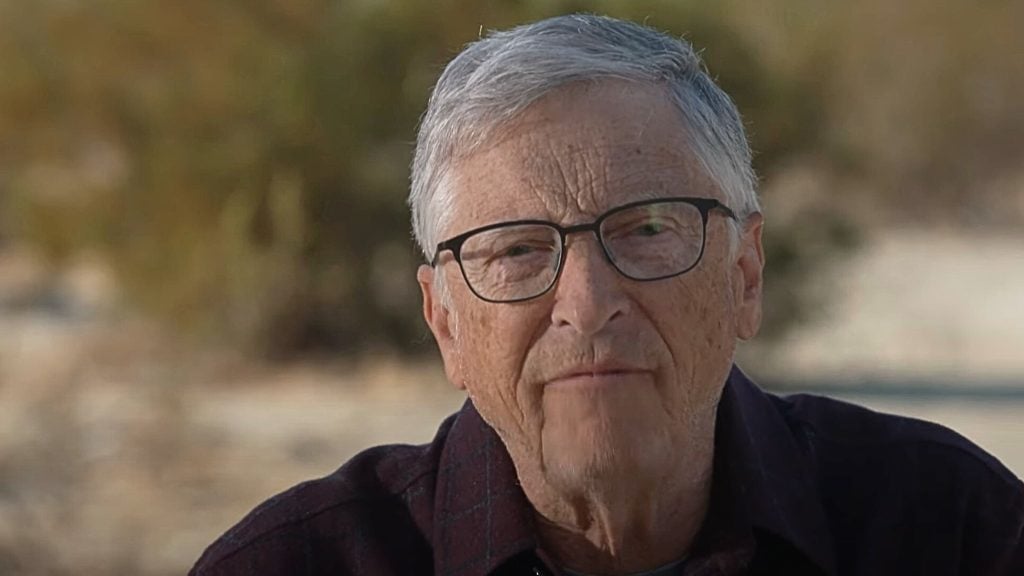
(917, 303)
(119, 455)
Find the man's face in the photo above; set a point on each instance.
(602, 376)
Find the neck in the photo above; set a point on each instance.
(628, 523)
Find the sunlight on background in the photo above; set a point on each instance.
(206, 276)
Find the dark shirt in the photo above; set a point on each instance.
(801, 485)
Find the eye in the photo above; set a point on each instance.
(517, 250)
(649, 228)
(522, 252)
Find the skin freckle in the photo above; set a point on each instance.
(572, 156)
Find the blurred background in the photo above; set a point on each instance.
(206, 272)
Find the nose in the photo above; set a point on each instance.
(589, 293)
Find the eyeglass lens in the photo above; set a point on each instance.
(643, 242)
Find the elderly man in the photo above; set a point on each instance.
(583, 194)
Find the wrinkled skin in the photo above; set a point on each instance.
(604, 389)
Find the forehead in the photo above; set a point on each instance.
(576, 153)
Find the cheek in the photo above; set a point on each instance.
(698, 317)
(716, 317)
(696, 322)
(492, 345)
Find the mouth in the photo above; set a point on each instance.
(597, 376)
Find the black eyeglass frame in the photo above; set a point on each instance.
(703, 205)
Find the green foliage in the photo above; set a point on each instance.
(244, 164)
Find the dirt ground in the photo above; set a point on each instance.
(122, 453)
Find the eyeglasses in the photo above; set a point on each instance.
(522, 259)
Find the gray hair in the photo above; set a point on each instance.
(495, 78)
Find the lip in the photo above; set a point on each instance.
(597, 375)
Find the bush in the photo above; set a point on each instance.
(243, 165)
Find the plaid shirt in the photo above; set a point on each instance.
(802, 485)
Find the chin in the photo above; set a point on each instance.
(590, 458)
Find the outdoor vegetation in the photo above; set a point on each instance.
(240, 167)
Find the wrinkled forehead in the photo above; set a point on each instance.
(575, 153)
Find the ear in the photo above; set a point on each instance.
(750, 267)
(439, 320)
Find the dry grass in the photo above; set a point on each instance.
(118, 456)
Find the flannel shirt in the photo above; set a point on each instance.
(802, 485)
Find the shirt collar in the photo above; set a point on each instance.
(758, 460)
(761, 480)
(482, 517)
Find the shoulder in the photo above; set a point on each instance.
(381, 497)
(924, 484)
(848, 429)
